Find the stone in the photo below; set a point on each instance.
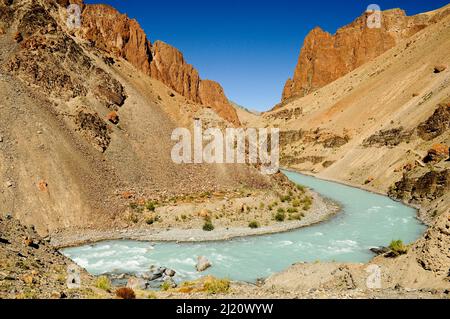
(380, 250)
(440, 68)
(4, 241)
(170, 272)
(437, 123)
(18, 37)
(437, 153)
(113, 117)
(204, 213)
(42, 186)
(202, 264)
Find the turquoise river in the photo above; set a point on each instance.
(367, 220)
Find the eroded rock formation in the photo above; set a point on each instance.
(324, 57)
(120, 36)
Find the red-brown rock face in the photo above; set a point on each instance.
(211, 94)
(169, 67)
(115, 33)
(324, 57)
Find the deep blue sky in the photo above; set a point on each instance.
(249, 46)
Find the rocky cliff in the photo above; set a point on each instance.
(325, 57)
(115, 33)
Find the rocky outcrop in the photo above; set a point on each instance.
(30, 268)
(437, 153)
(390, 138)
(115, 33)
(211, 94)
(421, 189)
(94, 129)
(48, 58)
(107, 29)
(169, 67)
(437, 124)
(433, 249)
(325, 57)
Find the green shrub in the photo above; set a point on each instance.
(280, 215)
(215, 286)
(208, 226)
(103, 283)
(152, 220)
(296, 203)
(285, 198)
(292, 210)
(301, 188)
(166, 286)
(398, 248)
(253, 224)
(150, 206)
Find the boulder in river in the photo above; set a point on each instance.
(202, 263)
(170, 272)
(380, 250)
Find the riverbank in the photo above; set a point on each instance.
(322, 210)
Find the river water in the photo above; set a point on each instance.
(367, 220)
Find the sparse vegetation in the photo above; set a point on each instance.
(254, 224)
(215, 286)
(208, 226)
(398, 248)
(301, 188)
(103, 283)
(166, 286)
(280, 216)
(150, 220)
(150, 206)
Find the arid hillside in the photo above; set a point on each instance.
(87, 116)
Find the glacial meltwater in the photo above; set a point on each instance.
(367, 220)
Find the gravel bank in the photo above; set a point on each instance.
(322, 210)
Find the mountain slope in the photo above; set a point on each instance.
(84, 134)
